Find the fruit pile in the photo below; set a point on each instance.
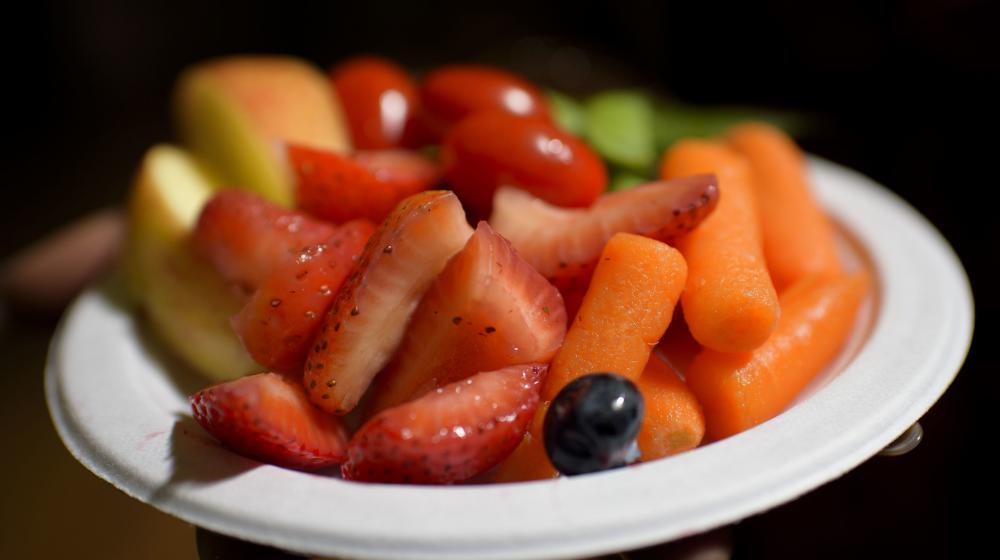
(317, 229)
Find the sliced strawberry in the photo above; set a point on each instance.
(269, 418)
(553, 238)
(245, 236)
(368, 318)
(283, 316)
(364, 185)
(572, 283)
(450, 434)
(487, 310)
(563, 244)
(408, 171)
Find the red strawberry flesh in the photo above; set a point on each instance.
(406, 170)
(268, 417)
(245, 237)
(487, 310)
(364, 185)
(283, 316)
(450, 434)
(368, 318)
(553, 239)
(563, 244)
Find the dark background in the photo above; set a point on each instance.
(902, 91)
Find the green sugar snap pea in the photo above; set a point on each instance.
(620, 127)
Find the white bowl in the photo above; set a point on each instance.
(119, 404)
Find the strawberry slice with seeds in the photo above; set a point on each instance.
(245, 236)
(450, 434)
(365, 184)
(283, 316)
(552, 238)
(268, 417)
(368, 318)
(406, 170)
(563, 244)
(487, 310)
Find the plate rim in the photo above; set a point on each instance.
(628, 531)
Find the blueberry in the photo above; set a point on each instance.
(592, 424)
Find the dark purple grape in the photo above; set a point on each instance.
(592, 424)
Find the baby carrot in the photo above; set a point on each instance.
(729, 301)
(739, 391)
(528, 461)
(627, 308)
(677, 347)
(798, 236)
(673, 421)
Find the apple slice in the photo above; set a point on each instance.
(233, 111)
(188, 304)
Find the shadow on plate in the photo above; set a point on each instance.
(196, 458)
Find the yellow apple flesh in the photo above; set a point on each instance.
(187, 303)
(235, 112)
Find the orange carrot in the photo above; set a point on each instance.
(739, 391)
(673, 421)
(529, 461)
(627, 307)
(677, 347)
(729, 301)
(798, 236)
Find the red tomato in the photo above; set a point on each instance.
(452, 93)
(488, 150)
(380, 101)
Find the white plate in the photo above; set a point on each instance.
(120, 405)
